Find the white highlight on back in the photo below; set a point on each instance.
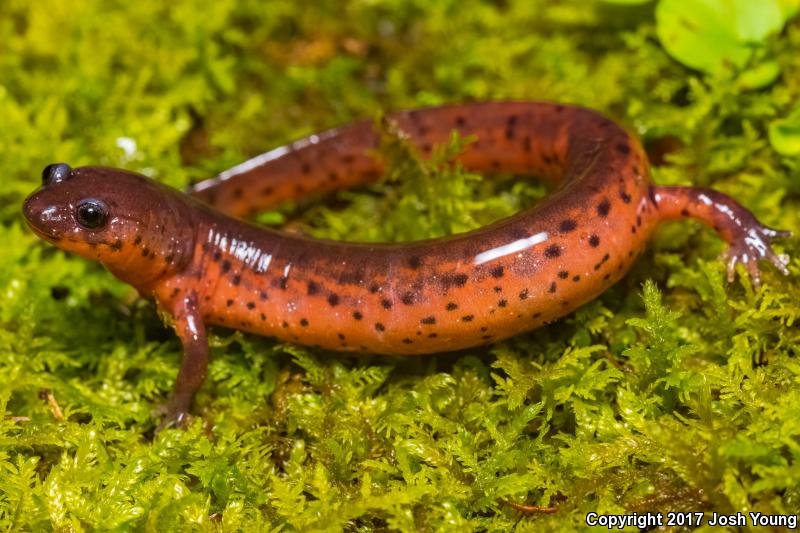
(510, 248)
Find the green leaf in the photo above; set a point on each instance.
(784, 134)
(716, 35)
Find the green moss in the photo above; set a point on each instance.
(673, 391)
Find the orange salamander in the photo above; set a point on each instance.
(204, 265)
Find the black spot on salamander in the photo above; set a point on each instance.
(552, 287)
(510, 124)
(226, 266)
(536, 315)
(116, 246)
(685, 212)
(175, 292)
(633, 229)
(236, 280)
(526, 144)
(238, 192)
(625, 197)
(407, 341)
(559, 109)
(379, 327)
(145, 251)
(303, 322)
(266, 191)
(460, 121)
(452, 306)
(251, 305)
(432, 335)
(305, 168)
(408, 298)
(263, 316)
(567, 225)
(453, 280)
(563, 274)
(523, 295)
(312, 289)
(357, 315)
(137, 241)
(169, 258)
(623, 148)
(216, 256)
(467, 318)
(333, 299)
(374, 288)
(263, 296)
(341, 336)
(604, 207)
(414, 262)
(552, 251)
(283, 282)
(576, 277)
(285, 324)
(229, 303)
(497, 272)
(606, 276)
(498, 288)
(486, 337)
(594, 241)
(502, 303)
(638, 221)
(387, 304)
(548, 159)
(428, 320)
(603, 260)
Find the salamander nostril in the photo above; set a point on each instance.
(55, 173)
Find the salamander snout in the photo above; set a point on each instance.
(55, 173)
(138, 228)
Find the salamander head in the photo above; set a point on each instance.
(136, 227)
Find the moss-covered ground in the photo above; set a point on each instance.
(673, 391)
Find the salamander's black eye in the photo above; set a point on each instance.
(55, 173)
(91, 213)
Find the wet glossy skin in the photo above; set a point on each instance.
(204, 267)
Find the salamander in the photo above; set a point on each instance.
(204, 264)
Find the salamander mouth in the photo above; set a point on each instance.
(34, 215)
(42, 233)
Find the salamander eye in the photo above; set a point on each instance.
(91, 213)
(55, 173)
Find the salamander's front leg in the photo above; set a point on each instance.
(748, 239)
(192, 332)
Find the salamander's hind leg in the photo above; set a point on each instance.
(748, 239)
(194, 365)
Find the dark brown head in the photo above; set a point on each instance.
(139, 229)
